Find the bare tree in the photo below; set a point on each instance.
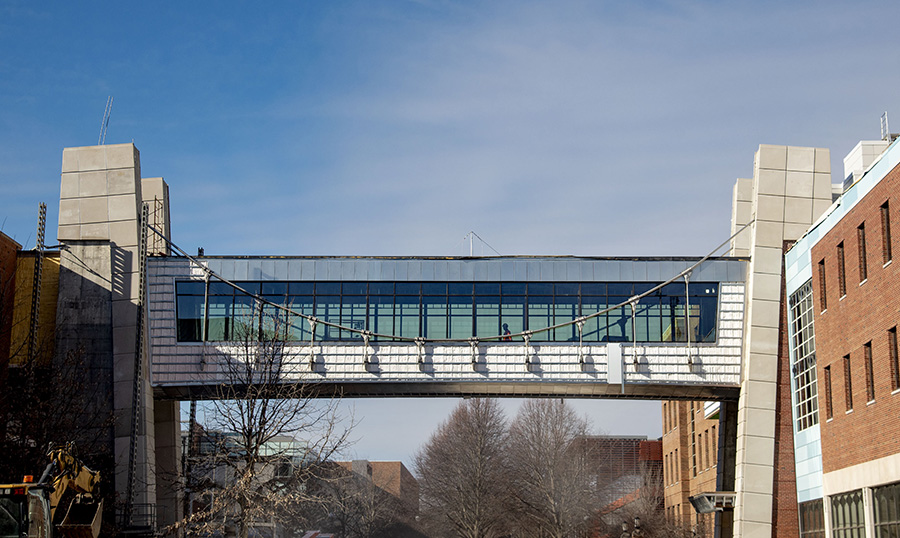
(270, 436)
(462, 472)
(555, 491)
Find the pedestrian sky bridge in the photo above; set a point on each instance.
(663, 328)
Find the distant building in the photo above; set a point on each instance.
(690, 446)
(393, 478)
(629, 473)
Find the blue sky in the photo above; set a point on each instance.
(394, 128)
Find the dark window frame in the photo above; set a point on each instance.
(885, 232)
(848, 383)
(870, 379)
(861, 247)
(842, 274)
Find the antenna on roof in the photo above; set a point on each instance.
(885, 130)
(104, 123)
(471, 236)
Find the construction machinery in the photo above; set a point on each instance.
(28, 509)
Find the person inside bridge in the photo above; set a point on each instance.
(506, 333)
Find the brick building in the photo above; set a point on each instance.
(394, 479)
(842, 287)
(690, 445)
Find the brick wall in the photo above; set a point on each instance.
(785, 512)
(8, 249)
(865, 314)
(682, 478)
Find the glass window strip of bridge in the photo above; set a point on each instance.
(446, 310)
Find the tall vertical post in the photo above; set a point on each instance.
(36, 283)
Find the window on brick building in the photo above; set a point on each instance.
(822, 296)
(848, 383)
(870, 379)
(887, 510)
(803, 348)
(847, 519)
(714, 446)
(829, 409)
(812, 519)
(702, 457)
(842, 277)
(892, 351)
(861, 242)
(676, 473)
(693, 443)
(885, 233)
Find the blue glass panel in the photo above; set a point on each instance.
(302, 288)
(251, 287)
(354, 288)
(482, 288)
(328, 308)
(540, 316)
(706, 324)
(328, 288)
(513, 288)
(406, 315)
(353, 315)
(275, 288)
(567, 288)
(381, 314)
(674, 289)
(565, 309)
(641, 287)
(299, 327)
(512, 314)
(593, 288)
(540, 288)
(434, 316)
(220, 288)
(381, 288)
(434, 288)
(245, 318)
(459, 316)
(647, 320)
(190, 288)
(620, 288)
(487, 315)
(459, 288)
(189, 310)
(406, 288)
(618, 321)
(595, 329)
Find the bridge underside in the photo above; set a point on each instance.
(445, 389)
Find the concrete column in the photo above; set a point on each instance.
(168, 462)
(99, 212)
(791, 187)
(725, 468)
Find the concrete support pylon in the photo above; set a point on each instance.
(99, 214)
(790, 189)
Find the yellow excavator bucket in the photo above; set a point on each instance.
(82, 519)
